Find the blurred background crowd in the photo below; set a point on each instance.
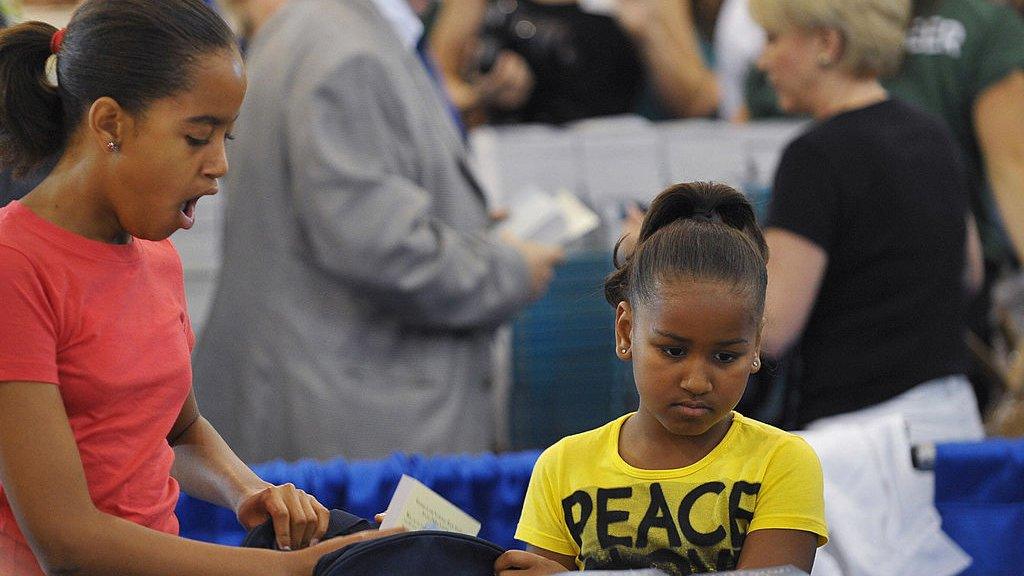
(324, 314)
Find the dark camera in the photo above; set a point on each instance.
(487, 53)
(541, 38)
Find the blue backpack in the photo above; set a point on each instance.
(420, 553)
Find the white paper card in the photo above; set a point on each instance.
(416, 507)
(550, 219)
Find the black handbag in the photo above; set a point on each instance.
(419, 553)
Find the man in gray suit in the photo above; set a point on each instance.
(360, 286)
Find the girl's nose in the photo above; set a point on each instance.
(696, 380)
(217, 167)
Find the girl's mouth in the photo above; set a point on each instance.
(188, 212)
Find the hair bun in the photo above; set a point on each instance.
(706, 215)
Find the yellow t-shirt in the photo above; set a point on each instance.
(585, 501)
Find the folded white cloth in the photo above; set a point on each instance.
(880, 510)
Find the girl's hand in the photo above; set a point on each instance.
(299, 519)
(631, 225)
(520, 563)
(509, 83)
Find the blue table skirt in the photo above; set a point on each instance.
(979, 492)
(488, 487)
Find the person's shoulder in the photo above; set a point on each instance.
(909, 119)
(586, 444)
(768, 438)
(864, 126)
(328, 29)
(806, 148)
(317, 14)
(19, 255)
(975, 13)
(16, 228)
(593, 437)
(762, 430)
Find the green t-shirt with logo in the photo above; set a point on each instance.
(954, 53)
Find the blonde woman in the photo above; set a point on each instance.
(872, 247)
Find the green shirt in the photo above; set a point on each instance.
(954, 53)
(953, 56)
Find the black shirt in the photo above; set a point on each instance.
(881, 190)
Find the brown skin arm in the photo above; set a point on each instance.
(668, 40)
(778, 547)
(761, 549)
(41, 471)
(453, 40)
(533, 562)
(999, 126)
(208, 469)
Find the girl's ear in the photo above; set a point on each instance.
(755, 363)
(623, 331)
(108, 121)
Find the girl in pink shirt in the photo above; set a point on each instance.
(99, 422)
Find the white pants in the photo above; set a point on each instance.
(940, 410)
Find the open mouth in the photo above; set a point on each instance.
(188, 207)
(188, 212)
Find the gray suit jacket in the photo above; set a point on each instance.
(359, 289)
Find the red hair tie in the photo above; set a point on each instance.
(56, 40)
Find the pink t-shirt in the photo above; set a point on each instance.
(108, 325)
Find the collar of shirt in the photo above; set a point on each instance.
(403, 20)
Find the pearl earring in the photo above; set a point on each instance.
(113, 146)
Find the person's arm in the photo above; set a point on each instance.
(208, 469)
(778, 547)
(43, 480)
(667, 39)
(533, 562)
(454, 42)
(999, 126)
(354, 148)
(788, 521)
(796, 267)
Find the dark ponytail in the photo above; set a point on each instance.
(31, 116)
(134, 51)
(697, 230)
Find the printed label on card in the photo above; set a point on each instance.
(416, 507)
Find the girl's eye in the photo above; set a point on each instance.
(725, 357)
(196, 141)
(229, 136)
(674, 351)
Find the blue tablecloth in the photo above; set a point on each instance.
(488, 487)
(979, 492)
